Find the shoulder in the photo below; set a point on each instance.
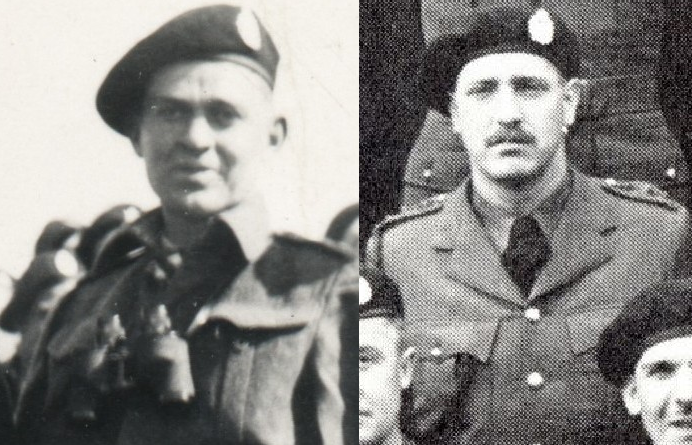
(640, 192)
(292, 259)
(643, 202)
(410, 214)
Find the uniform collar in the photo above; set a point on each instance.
(247, 221)
(498, 221)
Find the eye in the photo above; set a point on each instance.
(221, 115)
(661, 370)
(481, 89)
(529, 86)
(368, 356)
(168, 112)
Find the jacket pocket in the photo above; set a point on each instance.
(448, 359)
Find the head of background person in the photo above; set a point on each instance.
(196, 99)
(647, 352)
(511, 89)
(385, 363)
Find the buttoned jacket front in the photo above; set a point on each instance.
(499, 369)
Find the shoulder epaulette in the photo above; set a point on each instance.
(640, 191)
(326, 245)
(426, 207)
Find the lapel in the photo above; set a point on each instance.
(468, 256)
(583, 239)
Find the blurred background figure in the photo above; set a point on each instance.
(344, 230)
(64, 253)
(391, 108)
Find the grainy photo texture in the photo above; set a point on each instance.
(216, 305)
(525, 277)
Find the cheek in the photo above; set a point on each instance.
(654, 398)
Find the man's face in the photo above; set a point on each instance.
(661, 392)
(382, 374)
(510, 110)
(205, 129)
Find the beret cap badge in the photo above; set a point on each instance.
(364, 291)
(248, 29)
(541, 27)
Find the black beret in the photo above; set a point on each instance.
(499, 30)
(661, 312)
(378, 296)
(201, 34)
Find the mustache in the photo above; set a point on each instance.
(510, 136)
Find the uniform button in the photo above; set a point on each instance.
(532, 313)
(534, 380)
(671, 173)
(436, 352)
(427, 174)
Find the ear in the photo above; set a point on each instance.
(407, 364)
(278, 132)
(631, 398)
(573, 91)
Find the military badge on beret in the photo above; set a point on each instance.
(541, 27)
(248, 29)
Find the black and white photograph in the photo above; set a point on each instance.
(526, 248)
(180, 227)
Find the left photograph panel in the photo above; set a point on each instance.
(180, 234)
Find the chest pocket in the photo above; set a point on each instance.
(448, 358)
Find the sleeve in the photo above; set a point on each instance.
(332, 358)
(682, 266)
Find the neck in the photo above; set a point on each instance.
(183, 230)
(523, 196)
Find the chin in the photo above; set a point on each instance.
(202, 205)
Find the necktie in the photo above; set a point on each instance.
(527, 252)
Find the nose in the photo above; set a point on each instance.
(508, 109)
(198, 135)
(683, 389)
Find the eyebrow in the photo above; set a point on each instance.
(489, 81)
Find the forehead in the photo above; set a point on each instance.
(504, 66)
(207, 79)
(677, 349)
(378, 332)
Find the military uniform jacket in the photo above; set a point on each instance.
(494, 368)
(263, 340)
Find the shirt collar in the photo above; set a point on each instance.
(248, 221)
(498, 220)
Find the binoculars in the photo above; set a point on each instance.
(164, 360)
(157, 362)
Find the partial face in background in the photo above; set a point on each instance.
(384, 371)
(205, 130)
(660, 391)
(510, 110)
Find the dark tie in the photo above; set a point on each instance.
(527, 251)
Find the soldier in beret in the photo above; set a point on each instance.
(509, 279)
(647, 353)
(385, 363)
(194, 324)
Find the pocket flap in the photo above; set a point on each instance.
(586, 328)
(476, 338)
